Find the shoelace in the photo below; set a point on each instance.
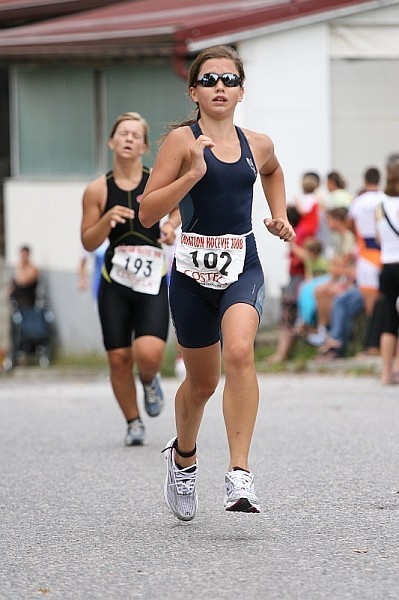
(152, 397)
(241, 479)
(136, 427)
(185, 482)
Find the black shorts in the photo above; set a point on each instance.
(197, 311)
(389, 286)
(123, 311)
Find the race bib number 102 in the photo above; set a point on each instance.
(139, 267)
(213, 261)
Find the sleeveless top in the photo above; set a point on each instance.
(131, 233)
(221, 202)
(24, 295)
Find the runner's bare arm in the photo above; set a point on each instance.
(96, 226)
(178, 167)
(272, 179)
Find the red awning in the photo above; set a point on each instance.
(157, 27)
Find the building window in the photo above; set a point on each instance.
(61, 116)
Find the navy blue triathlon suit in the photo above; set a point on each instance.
(220, 203)
(122, 310)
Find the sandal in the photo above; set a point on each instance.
(329, 354)
(395, 377)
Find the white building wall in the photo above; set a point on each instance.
(288, 97)
(365, 92)
(46, 215)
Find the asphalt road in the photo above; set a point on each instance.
(83, 517)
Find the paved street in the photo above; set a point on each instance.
(83, 517)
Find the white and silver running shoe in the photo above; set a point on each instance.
(135, 434)
(240, 492)
(179, 490)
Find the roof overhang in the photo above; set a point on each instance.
(272, 20)
(18, 12)
(165, 27)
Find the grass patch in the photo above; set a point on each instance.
(98, 360)
(265, 346)
(94, 360)
(300, 353)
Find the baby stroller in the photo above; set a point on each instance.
(32, 332)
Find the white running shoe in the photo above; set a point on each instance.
(240, 492)
(179, 490)
(135, 434)
(318, 339)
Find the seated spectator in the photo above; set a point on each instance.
(341, 273)
(345, 307)
(311, 253)
(316, 271)
(22, 289)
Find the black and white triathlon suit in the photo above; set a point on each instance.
(216, 263)
(133, 294)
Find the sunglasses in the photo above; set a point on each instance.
(211, 79)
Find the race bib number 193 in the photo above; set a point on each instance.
(214, 261)
(139, 267)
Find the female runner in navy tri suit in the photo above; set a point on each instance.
(208, 167)
(133, 294)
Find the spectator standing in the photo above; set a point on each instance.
(388, 235)
(362, 215)
(338, 195)
(307, 204)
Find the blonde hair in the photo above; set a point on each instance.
(132, 116)
(309, 183)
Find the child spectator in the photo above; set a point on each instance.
(316, 268)
(342, 272)
(307, 204)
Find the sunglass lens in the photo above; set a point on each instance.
(231, 80)
(208, 80)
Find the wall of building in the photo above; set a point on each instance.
(364, 91)
(46, 215)
(288, 97)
